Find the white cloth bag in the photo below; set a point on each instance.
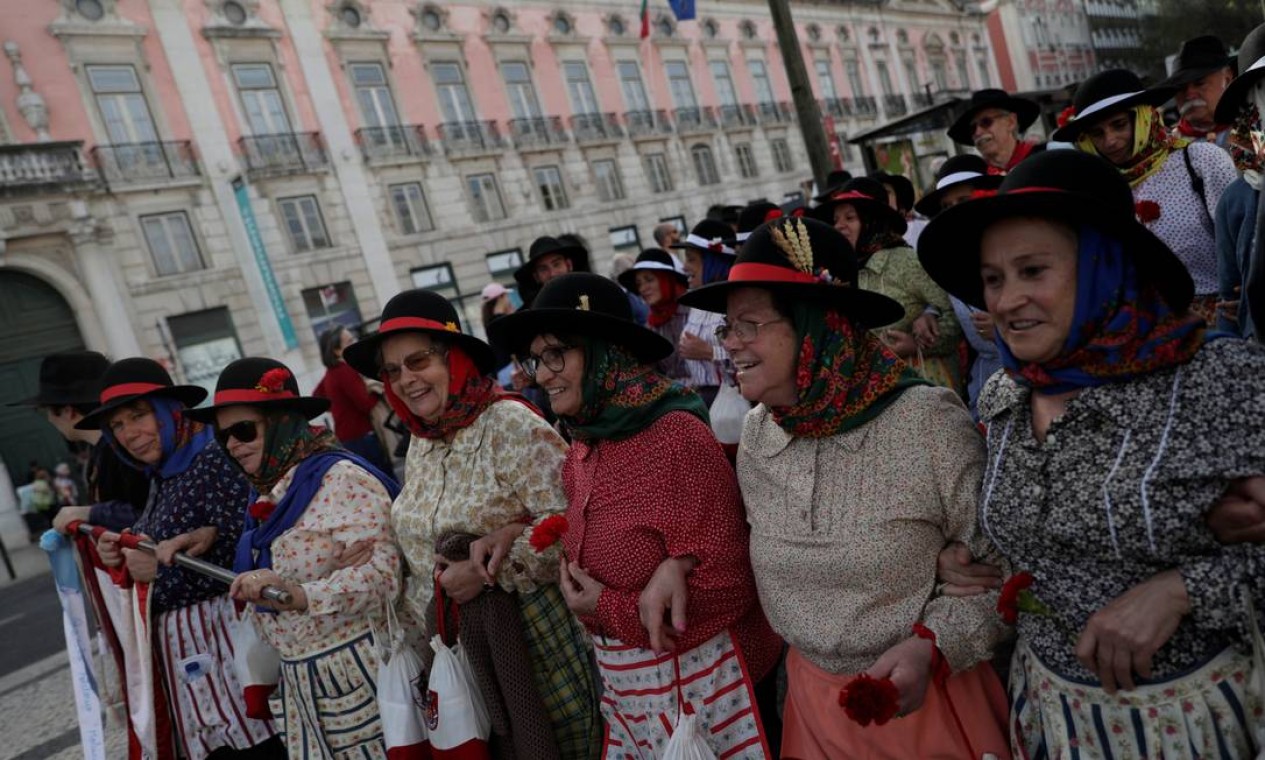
(256, 663)
(399, 699)
(687, 742)
(729, 410)
(456, 716)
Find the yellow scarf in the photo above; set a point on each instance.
(1152, 145)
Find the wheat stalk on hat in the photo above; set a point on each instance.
(796, 245)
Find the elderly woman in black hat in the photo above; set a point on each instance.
(993, 122)
(311, 499)
(196, 502)
(874, 229)
(1118, 424)
(957, 180)
(482, 462)
(855, 472)
(660, 280)
(652, 504)
(1176, 183)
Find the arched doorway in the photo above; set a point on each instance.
(35, 321)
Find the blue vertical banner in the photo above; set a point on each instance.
(242, 193)
(682, 9)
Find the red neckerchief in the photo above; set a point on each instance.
(1186, 129)
(1021, 152)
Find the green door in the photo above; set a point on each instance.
(36, 321)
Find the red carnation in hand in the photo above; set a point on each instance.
(548, 532)
(1147, 211)
(261, 509)
(1015, 598)
(869, 700)
(273, 381)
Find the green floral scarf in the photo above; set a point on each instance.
(622, 396)
(288, 440)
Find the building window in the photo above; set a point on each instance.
(746, 160)
(549, 182)
(939, 75)
(902, 37)
(911, 71)
(679, 84)
(171, 243)
(854, 78)
(630, 84)
(450, 87)
(606, 175)
(704, 165)
(331, 305)
(964, 74)
(302, 217)
(760, 78)
(782, 162)
(122, 104)
(725, 91)
(583, 99)
(503, 264)
(657, 175)
(440, 279)
(884, 77)
(377, 107)
(205, 342)
(983, 74)
(825, 79)
(411, 212)
(485, 198)
(261, 99)
(520, 90)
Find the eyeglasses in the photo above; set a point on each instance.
(743, 329)
(415, 362)
(553, 357)
(245, 431)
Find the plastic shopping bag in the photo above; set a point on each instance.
(455, 714)
(257, 664)
(687, 742)
(399, 699)
(729, 410)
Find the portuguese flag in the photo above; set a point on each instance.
(645, 19)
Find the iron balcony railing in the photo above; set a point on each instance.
(648, 123)
(923, 100)
(694, 119)
(771, 113)
(831, 107)
(146, 163)
(402, 141)
(865, 105)
(284, 153)
(736, 115)
(538, 130)
(588, 127)
(895, 105)
(470, 136)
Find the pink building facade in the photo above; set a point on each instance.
(195, 180)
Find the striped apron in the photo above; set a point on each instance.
(329, 703)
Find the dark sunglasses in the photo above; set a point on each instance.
(245, 431)
(985, 122)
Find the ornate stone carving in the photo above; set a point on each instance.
(30, 103)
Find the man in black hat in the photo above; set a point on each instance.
(1202, 74)
(67, 391)
(993, 122)
(547, 258)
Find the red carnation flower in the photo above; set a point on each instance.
(1066, 115)
(773, 214)
(869, 700)
(1015, 598)
(1147, 211)
(548, 532)
(716, 246)
(262, 509)
(273, 381)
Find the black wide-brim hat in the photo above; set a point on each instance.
(776, 258)
(1025, 111)
(422, 311)
(581, 303)
(1199, 57)
(708, 235)
(543, 246)
(71, 377)
(1104, 94)
(1072, 187)
(1251, 69)
(264, 383)
(866, 194)
(834, 180)
(966, 169)
(901, 185)
(754, 215)
(653, 260)
(128, 380)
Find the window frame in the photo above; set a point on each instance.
(658, 174)
(745, 157)
(427, 217)
(611, 187)
(304, 218)
(706, 171)
(480, 210)
(553, 195)
(783, 161)
(163, 217)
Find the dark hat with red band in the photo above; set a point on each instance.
(866, 195)
(128, 380)
(805, 260)
(423, 311)
(260, 382)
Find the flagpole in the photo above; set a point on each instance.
(806, 108)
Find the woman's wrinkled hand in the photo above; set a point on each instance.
(1238, 517)
(1120, 639)
(249, 587)
(461, 581)
(961, 575)
(353, 554)
(695, 348)
(108, 549)
(926, 329)
(579, 589)
(488, 552)
(666, 595)
(141, 565)
(194, 543)
(908, 664)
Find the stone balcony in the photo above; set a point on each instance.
(39, 168)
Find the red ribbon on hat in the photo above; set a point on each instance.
(128, 389)
(248, 396)
(754, 272)
(773, 214)
(416, 323)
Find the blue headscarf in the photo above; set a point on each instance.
(180, 438)
(716, 266)
(1121, 329)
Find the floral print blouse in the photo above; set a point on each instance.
(1118, 493)
(505, 467)
(350, 506)
(210, 492)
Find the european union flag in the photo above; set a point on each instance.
(682, 9)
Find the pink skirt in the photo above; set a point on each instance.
(816, 728)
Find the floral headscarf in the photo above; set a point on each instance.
(845, 376)
(288, 440)
(1152, 145)
(622, 396)
(1247, 143)
(1121, 328)
(469, 393)
(180, 438)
